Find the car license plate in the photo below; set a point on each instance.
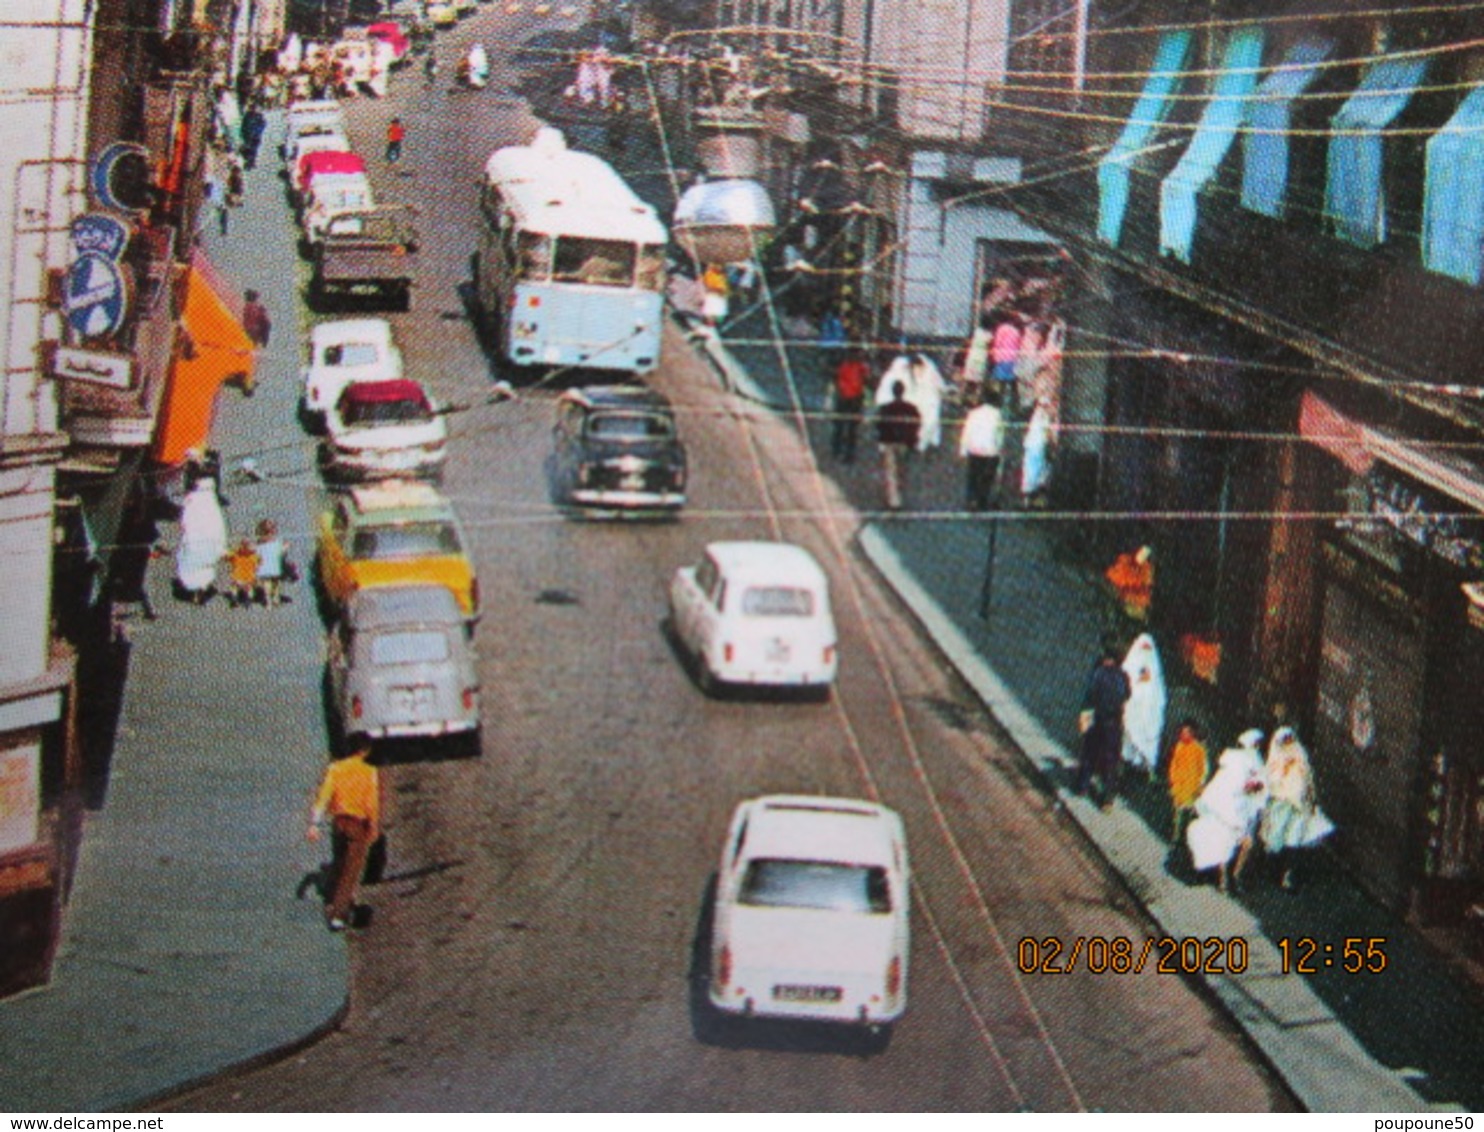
(413, 699)
(786, 992)
(778, 651)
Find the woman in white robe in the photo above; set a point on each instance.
(1228, 810)
(1035, 464)
(1144, 714)
(1292, 820)
(203, 541)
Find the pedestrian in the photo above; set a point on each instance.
(242, 570)
(1293, 820)
(1101, 724)
(272, 562)
(255, 320)
(203, 542)
(1187, 772)
(980, 445)
(350, 795)
(214, 196)
(236, 182)
(1004, 351)
(924, 384)
(1227, 812)
(1144, 715)
(1132, 579)
(396, 133)
(430, 69)
(1035, 461)
(851, 376)
(254, 125)
(714, 304)
(898, 424)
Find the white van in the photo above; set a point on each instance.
(331, 195)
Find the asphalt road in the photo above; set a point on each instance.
(534, 942)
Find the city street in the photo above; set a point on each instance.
(536, 940)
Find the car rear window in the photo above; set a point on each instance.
(421, 646)
(408, 411)
(777, 601)
(630, 426)
(351, 354)
(773, 883)
(407, 540)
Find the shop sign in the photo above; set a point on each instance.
(119, 177)
(95, 296)
(96, 367)
(20, 798)
(95, 232)
(1418, 517)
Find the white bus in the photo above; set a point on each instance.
(571, 264)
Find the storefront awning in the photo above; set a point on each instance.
(1453, 203)
(1269, 113)
(211, 348)
(1213, 137)
(1354, 198)
(1148, 113)
(1358, 446)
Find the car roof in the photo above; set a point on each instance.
(618, 397)
(808, 827)
(351, 330)
(766, 561)
(396, 389)
(384, 606)
(395, 499)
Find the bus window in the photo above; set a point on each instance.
(535, 256)
(651, 268)
(609, 263)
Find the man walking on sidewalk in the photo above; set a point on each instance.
(980, 444)
(897, 426)
(1101, 724)
(350, 794)
(850, 400)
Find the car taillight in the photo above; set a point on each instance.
(727, 652)
(829, 654)
(724, 968)
(894, 976)
(355, 706)
(469, 699)
(434, 447)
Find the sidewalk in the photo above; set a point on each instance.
(184, 950)
(1405, 1039)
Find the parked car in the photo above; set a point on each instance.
(812, 912)
(616, 446)
(401, 664)
(331, 196)
(305, 118)
(384, 428)
(345, 351)
(394, 533)
(316, 137)
(324, 162)
(756, 613)
(367, 256)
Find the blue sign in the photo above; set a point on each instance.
(119, 177)
(96, 232)
(95, 296)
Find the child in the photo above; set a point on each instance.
(244, 569)
(1187, 772)
(272, 558)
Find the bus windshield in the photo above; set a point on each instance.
(607, 263)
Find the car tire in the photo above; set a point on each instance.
(875, 1040)
(706, 680)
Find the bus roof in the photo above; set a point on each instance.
(563, 192)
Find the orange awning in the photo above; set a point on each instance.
(210, 348)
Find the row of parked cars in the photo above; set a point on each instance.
(358, 247)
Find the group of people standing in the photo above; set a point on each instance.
(256, 567)
(1221, 817)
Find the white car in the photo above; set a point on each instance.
(353, 349)
(333, 195)
(378, 429)
(812, 915)
(756, 613)
(315, 137)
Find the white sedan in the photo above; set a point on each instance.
(812, 912)
(384, 428)
(756, 613)
(344, 351)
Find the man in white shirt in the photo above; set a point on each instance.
(980, 444)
